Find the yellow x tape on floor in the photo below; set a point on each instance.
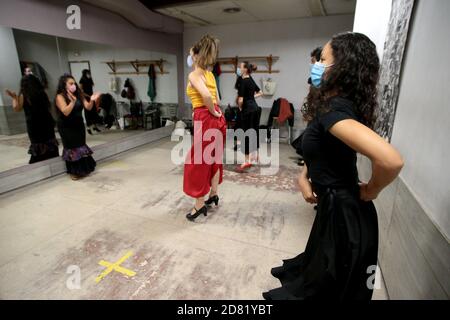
(116, 267)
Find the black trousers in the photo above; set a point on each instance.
(250, 120)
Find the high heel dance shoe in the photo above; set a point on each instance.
(203, 210)
(214, 198)
(243, 166)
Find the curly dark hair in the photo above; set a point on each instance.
(63, 91)
(354, 76)
(33, 91)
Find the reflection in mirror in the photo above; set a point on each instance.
(64, 96)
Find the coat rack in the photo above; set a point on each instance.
(235, 60)
(136, 65)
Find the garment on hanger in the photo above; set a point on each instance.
(217, 71)
(151, 91)
(113, 84)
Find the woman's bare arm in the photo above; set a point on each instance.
(17, 101)
(386, 161)
(63, 106)
(306, 187)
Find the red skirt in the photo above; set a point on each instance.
(205, 157)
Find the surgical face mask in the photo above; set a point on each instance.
(190, 61)
(72, 88)
(317, 71)
(239, 72)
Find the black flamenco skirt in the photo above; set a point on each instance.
(79, 161)
(340, 256)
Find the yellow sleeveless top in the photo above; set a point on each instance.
(194, 95)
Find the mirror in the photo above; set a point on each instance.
(134, 90)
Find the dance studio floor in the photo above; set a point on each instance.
(123, 234)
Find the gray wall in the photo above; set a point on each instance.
(42, 48)
(414, 211)
(422, 129)
(97, 25)
(10, 122)
(291, 40)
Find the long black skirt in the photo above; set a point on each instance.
(340, 256)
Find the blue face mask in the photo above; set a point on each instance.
(190, 61)
(317, 71)
(238, 72)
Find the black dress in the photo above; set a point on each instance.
(76, 153)
(41, 130)
(342, 247)
(251, 112)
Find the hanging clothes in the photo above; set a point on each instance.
(151, 91)
(217, 71)
(285, 111)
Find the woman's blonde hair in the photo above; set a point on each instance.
(207, 50)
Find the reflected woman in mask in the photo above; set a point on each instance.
(70, 102)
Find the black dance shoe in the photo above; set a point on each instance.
(192, 217)
(214, 198)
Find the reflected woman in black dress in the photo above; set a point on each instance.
(70, 102)
(40, 124)
(92, 117)
(341, 253)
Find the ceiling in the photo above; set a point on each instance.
(203, 12)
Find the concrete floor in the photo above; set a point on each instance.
(14, 149)
(134, 202)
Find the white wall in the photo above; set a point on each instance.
(421, 128)
(166, 84)
(372, 19)
(9, 65)
(291, 40)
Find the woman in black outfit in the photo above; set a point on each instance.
(70, 102)
(92, 116)
(343, 245)
(40, 124)
(248, 90)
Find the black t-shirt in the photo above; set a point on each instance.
(330, 161)
(88, 85)
(247, 89)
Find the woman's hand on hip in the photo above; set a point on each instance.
(217, 114)
(367, 193)
(306, 190)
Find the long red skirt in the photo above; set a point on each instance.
(205, 157)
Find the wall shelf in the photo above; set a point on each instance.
(136, 65)
(270, 60)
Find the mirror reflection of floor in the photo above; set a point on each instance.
(133, 208)
(14, 149)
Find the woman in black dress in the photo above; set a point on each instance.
(70, 102)
(92, 117)
(248, 90)
(40, 124)
(341, 251)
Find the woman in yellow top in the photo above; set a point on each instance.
(203, 169)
